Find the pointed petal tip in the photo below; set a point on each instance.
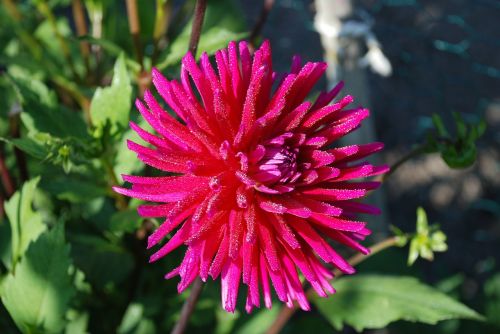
(153, 258)
(151, 241)
(119, 190)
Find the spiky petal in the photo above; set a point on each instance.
(259, 193)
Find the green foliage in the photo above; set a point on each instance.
(457, 151)
(102, 262)
(25, 224)
(374, 301)
(73, 189)
(68, 110)
(260, 321)
(492, 292)
(38, 292)
(125, 221)
(113, 103)
(135, 321)
(426, 241)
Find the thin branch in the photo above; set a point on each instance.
(264, 13)
(188, 307)
(7, 181)
(410, 155)
(135, 29)
(81, 30)
(199, 15)
(286, 313)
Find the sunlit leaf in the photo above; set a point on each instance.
(113, 103)
(374, 301)
(37, 294)
(25, 224)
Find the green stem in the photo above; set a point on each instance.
(286, 313)
(410, 155)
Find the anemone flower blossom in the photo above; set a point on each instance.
(253, 187)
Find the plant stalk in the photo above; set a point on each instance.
(264, 14)
(81, 30)
(135, 29)
(199, 15)
(188, 307)
(7, 181)
(410, 155)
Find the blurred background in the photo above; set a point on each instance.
(405, 59)
(445, 58)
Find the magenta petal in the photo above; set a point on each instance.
(249, 183)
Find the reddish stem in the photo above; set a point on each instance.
(199, 15)
(264, 13)
(188, 307)
(8, 183)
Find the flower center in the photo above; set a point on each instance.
(278, 164)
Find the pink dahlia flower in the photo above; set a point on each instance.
(257, 193)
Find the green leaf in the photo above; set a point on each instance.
(414, 251)
(492, 304)
(78, 322)
(113, 103)
(125, 221)
(73, 190)
(422, 223)
(131, 318)
(260, 321)
(426, 240)
(126, 161)
(374, 301)
(101, 261)
(135, 321)
(25, 224)
(438, 123)
(459, 156)
(37, 294)
(460, 125)
(30, 146)
(58, 122)
(225, 321)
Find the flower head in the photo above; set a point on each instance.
(254, 191)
